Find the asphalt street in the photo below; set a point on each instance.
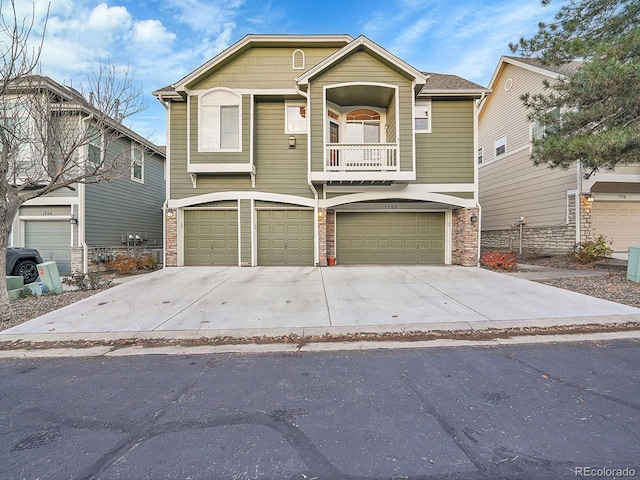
(541, 411)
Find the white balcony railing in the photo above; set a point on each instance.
(362, 157)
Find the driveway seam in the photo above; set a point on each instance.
(445, 294)
(197, 300)
(326, 300)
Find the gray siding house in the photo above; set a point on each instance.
(305, 150)
(537, 208)
(82, 226)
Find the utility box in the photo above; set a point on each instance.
(15, 282)
(633, 267)
(50, 277)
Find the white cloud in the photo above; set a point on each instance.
(105, 18)
(412, 35)
(152, 32)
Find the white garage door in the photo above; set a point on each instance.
(53, 241)
(617, 221)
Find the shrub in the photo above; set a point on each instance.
(591, 250)
(89, 281)
(147, 262)
(26, 292)
(503, 261)
(123, 265)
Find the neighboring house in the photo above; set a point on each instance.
(84, 225)
(535, 208)
(287, 150)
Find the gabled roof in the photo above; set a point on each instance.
(246, 43)
(72, 100)
(536, 65)
(360, 43)
(439, 84)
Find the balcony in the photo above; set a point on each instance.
(362, 163)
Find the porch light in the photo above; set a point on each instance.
(321, 215)
(73, 221)
(589, 197)
(473, 218)
(292, 142)
(170, 213)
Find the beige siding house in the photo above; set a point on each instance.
(534, 208)
(305, 150)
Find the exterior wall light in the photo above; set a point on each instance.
(473, 218)
(292, 142)
(321, 215)
(589, 197)
(170, 213)
(73, 221)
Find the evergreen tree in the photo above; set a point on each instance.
(592, 115)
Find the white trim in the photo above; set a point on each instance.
(476, 143)
(426, 187)
(57, 201)
(239, 234)
(259, 91)
(135, 147)
(241, 195)
(294, 104)
(448, 236)
(180, 237)
(423, 103)
(503, 157)
(254, 236)
(239, 98)
(221, 168)
(252, 122)
(45, 218)
(408, 194)
(188, 132)
(247, 40)
(362, 41)
(167, 159)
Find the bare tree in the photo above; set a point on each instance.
(52, 136)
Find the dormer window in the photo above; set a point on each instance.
(298, 60)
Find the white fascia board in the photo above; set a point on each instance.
(363, 176)
(220, 168)
(57, 201)
(248, 39)
(453, 93)
(409, 193)
(419, 77)
(423, 187)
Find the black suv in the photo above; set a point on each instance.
(23, 261)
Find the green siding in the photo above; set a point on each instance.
(125, 206)
(272, 67)
(361, 66)
(279, 169)
(446, 155)
(245, 231)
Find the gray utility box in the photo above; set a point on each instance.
(50, 277)
(633, 267)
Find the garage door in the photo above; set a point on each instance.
(285, 237)
(618, 221)
(210, 237)
(390, 238)
(53, 241)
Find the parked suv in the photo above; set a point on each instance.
(23, 261)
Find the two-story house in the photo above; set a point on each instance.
(83, 225)
(531, 208)
(292, 150)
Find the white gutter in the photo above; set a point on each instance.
(578, 200)
(82, 217)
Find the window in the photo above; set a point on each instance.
(298, 60)
(363, 126)
(480, 155)
(423, 116)
(94, 148)
(137, 164)
(537, 129)
(296, 118)
(500, 146)
(219, 121)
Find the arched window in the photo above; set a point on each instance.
(219, 121)
(363, 126)
(298, 60)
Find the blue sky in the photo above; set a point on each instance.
(162, 40)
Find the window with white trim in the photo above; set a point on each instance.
(537, 129)
(220, 121)
(295, 118)
(298, 60)
(500, 146)
(480, 155)
(137, 163)
(423, 116)
(94, 147)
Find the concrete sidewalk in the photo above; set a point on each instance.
(194, 302)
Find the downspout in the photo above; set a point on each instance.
(167, 107)
(82, 218)
(316, 253)
(578, 201)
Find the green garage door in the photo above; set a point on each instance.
(210, 237)
(285, 237)
(53, 241)
(390, 238)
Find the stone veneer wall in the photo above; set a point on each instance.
(552, 239)
(465, 237)
(322, 237)
(171, 241)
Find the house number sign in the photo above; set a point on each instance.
(47, 213)
(390, 206)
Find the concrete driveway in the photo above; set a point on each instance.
(191, 302)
